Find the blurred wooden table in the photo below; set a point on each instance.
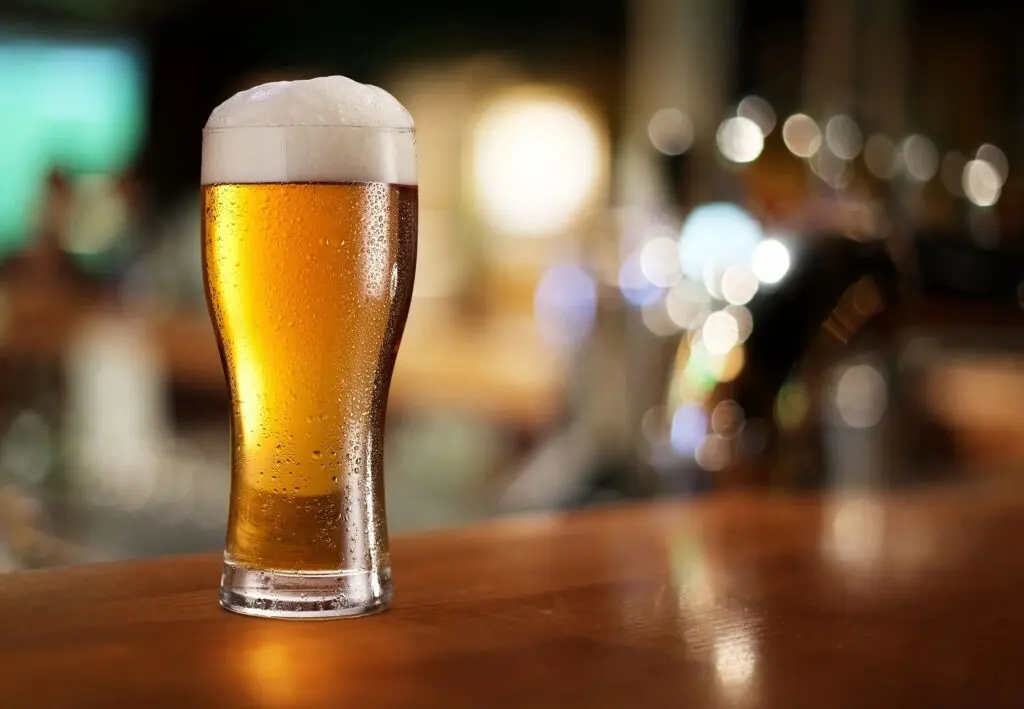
(912, 600)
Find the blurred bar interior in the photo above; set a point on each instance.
(667, 247)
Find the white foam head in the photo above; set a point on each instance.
(330, 129)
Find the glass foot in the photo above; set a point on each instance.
(304, 595)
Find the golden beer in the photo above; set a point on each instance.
(309, 249)
(309, 285)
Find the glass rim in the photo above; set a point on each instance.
(331, 126)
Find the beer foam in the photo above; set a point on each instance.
(329, 129)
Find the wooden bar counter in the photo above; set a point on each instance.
(905, 600)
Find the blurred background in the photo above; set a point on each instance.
(667, 248)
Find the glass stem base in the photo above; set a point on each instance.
(304, 595)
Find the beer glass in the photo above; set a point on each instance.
(309, 250)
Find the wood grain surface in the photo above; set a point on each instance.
(911, 600)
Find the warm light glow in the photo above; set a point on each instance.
(704, 369)
(843, 137)
(759, 111)
(801, 135)
(735, 661)
(720, 332)
(880, 156)
(740, 139)
(537, 162)
(856, 540)
(700, 372)
(670, 131)
(272, 670)
(981, 183)
(659, 261)
(739, 284)
(920, 158)
(861, 396)
(729, 365)
(771, 261)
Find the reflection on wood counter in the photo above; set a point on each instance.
(744, 601)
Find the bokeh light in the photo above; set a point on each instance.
(739, 139)
(727, 419)
(712, 279)
(703, 370)
(997, 159)
(670, 131)
(728, 366)
(830, 168)
(801, 135)
(981, 183)
(633, 284)
(715, 236)
(791, 405)
(713, 454)
(771, 261)
(656, 318)
(659, 261)
(861, 396)
(720, 332)
(744, 321)
(759, 111)
(686, 302)
(920, 158)
(565, 303)
(738, 285)
(843, 137)
(537, 162)
(689, 427)
(855, 541)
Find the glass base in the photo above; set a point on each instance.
(304, 595)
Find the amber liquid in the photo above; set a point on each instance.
(309, 288)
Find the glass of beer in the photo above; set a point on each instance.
(309, 193)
